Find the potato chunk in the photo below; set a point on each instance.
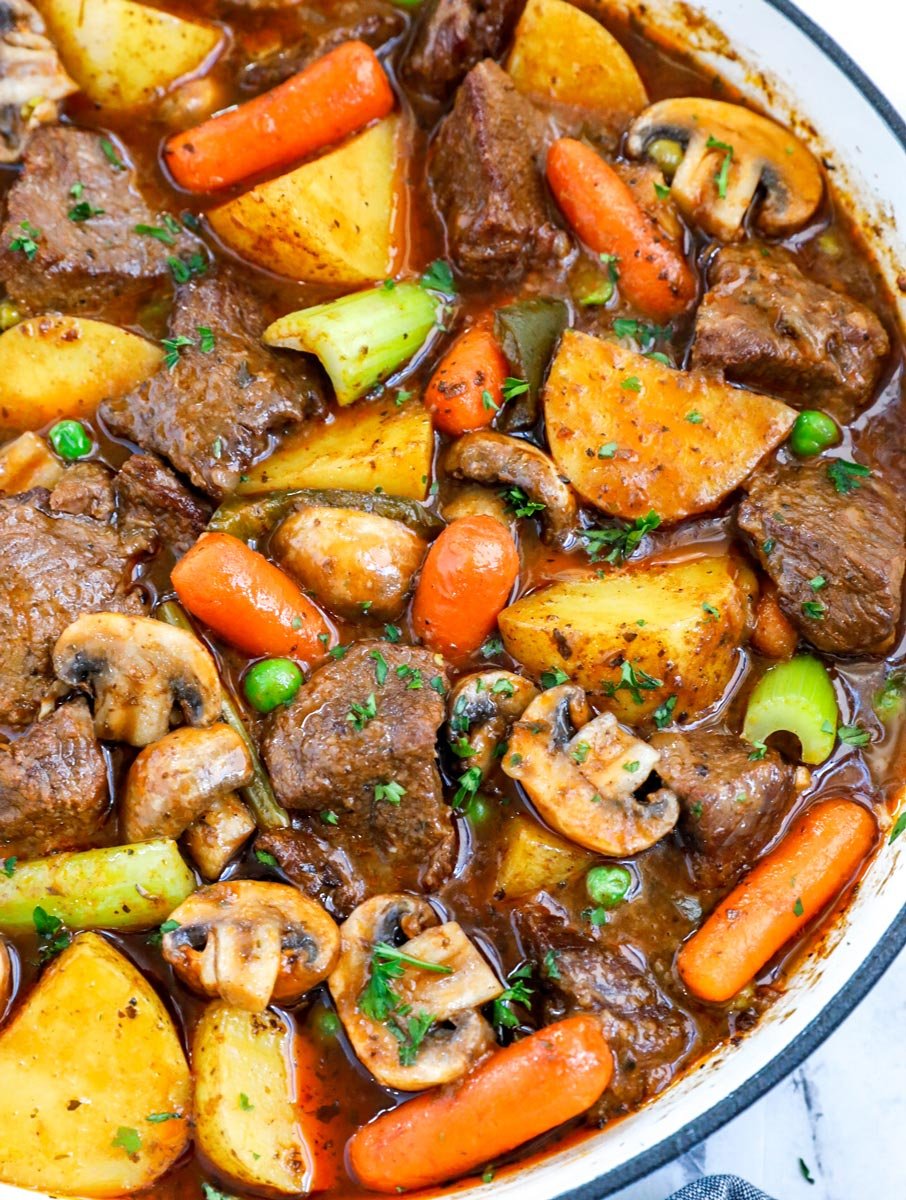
(258, 1142)
(561, 53)
(534, 858)
(54, 367)
(329, 221)
(369, 447)
(650, 635)
(87, 1059)
(120, 53)
(683, 440)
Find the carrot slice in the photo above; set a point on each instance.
(653, 274)
(812, 865)
(465, 582)
(466, 390)
(512, 1096)
(246, 600)
(339, 93)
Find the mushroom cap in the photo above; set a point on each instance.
(459, 1035)
(583, 782)
(138, 670)
(488, 457)
(763, 154)
(251, 943)
(174, 781)
(481, 708)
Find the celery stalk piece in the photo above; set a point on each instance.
(115, 887)
(362, 338)
(258, 795)
(798, 697)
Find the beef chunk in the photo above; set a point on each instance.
(53, 785)
(646, 1032)
(77, 264)
(156, 507)
(768, 326)
(212, 413)
(731, 804)
(321, 29)
(320, 760)
(321, 870)
(53, 567)
(451, 37)
(803, 530)
(486, 180)
(84, 490)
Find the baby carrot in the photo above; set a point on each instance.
(338, 93)
(443, 1134)
(772, 635)
(810, 867)
(653, 274)
(466, 390)
(465, 582)
(246, 600)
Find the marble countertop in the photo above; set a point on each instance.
(843, 1112)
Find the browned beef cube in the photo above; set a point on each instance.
(78, 264)
(768, 326)
(211, 413)
(451, 36)
(53, 785)
(835, 551)
(156, 507)
(732, 804)
(324, 755)
(486, 179)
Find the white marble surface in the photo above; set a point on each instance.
(843, 1112)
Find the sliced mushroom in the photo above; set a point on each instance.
(473, 500)
(495, 458)
(581, 775)
(481, 709)
(730, 152)
(251, 943)
(174, 781)
(349, 559)
(32, 80)
(457, 1035)
(219, 835)
(139, 671)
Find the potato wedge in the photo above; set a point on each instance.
(54, 367)
(367, 447)
(27, 462)
(684, 441)
(535, 858)
(122, 54)
(640, 636)
(258, 1142)
(561, 53)
(90, 1055)
(329, 221)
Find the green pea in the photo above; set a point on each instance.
(9, 315)
(813, 432)
(478, 810)
(70, 440)
(271, 682)
(668, 154)
(607, 886)
(325, 1024)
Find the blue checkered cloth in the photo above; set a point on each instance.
(720, 1187)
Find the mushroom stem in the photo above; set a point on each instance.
(241, 962)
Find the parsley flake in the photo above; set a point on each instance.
(846, 476)
(723, 174)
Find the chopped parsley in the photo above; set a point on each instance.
(694, 417)
(661, 190)
(759, 750)
(595, 916)
(631, 384)
(502, 687)
(579, 753)
(461, 748)
(173, 348)
(439, 278)
(27, 240)
(805, 1172)
(642, 331)
(360, 714)
(392, 633)
(338, 652)
(412, 677)
(817, 583)
(899, 826)
(266, 858)
(488, 403)
(127, 1139)
(184, 269)
(513, 387)
(663, 714)
(492, 647)
(380, 667)
(608, 450)
(798, 907)
(551, 970)
(328, 817)
(212, 1193)
(846, 476)
(632, 767)
(711, 611)
(205, 339)
(159, 1118)
(469, 783)
(621, 540)
(52, 937)
(83, 210)
(156, 231)
(379, 1001)
(723, 174)
(553, 677)
(814, 610)
(111, 155)
(853, 735)
(244, 1102)
(391, 791)
(517, 992)
(519, 504)
(9, 866)
(633, 681)
(768, 545)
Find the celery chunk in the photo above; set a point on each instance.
(796, 697)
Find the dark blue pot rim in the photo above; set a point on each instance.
(893, 940)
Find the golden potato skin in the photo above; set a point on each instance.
(87, 1058)
(535, 858)
(294, 225)
(54, 367)
(237, 1053)
(684, 440)
(367, 447)
(349, 558)
(652, 616)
